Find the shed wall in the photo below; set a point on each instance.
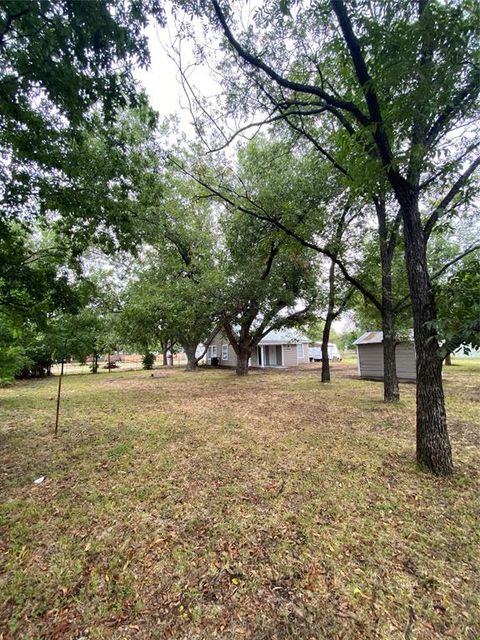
(370, 359)
(406, 362)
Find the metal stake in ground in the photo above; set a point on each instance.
(58, 396)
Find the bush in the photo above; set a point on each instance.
(12, 361)
(38, 362)
(148, 360)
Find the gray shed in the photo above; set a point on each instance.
(370, 357)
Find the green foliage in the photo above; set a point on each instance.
(65, 160)
(36, 288)
(345, 340)
(110, 186)
(115, 167)
(148, 360)
(35, 276)
(70, 164)
(12, 354)
(50, 312)
(268, 278)
(410, 121)
(39, 356)
(369, 271)
(59, 59)
(459, 307)
(93, 330)
(271, 273)
(174, 296)
(292, 185)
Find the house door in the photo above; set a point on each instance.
(278, 350)
(272, 356)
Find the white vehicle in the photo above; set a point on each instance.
(315, 353)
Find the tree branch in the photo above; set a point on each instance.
(462, 255)
(454, 107)
(440, 210)
(319, 148)
(402, 304)
(271, 257)
(344, 303)
(446, 167)
(280, 80)
(366, 83)
(267, 218)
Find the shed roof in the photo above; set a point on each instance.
(376, 337)
(371, 337)
(284, 336)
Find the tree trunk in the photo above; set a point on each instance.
(190, 350)
(328, 320)
(242, 344)
(448, 360)
(433, 445)
(243, 356)
(391, 391)
(325, 339)
(164, 356)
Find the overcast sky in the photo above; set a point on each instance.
(162, 79)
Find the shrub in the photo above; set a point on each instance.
(148, 360)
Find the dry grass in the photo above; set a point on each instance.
(198, 506)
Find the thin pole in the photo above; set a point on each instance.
(58, 397)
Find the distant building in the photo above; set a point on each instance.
(370, 357)
(283, 348)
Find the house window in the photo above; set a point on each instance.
(212, 351)
(224, 351)
(300, 351)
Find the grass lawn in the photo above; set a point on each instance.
(198, 506)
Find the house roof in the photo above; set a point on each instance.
(376, 337)
(284, 336)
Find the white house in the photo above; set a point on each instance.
(283, 348)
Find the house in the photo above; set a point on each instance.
(283, 348)
(370, 357)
